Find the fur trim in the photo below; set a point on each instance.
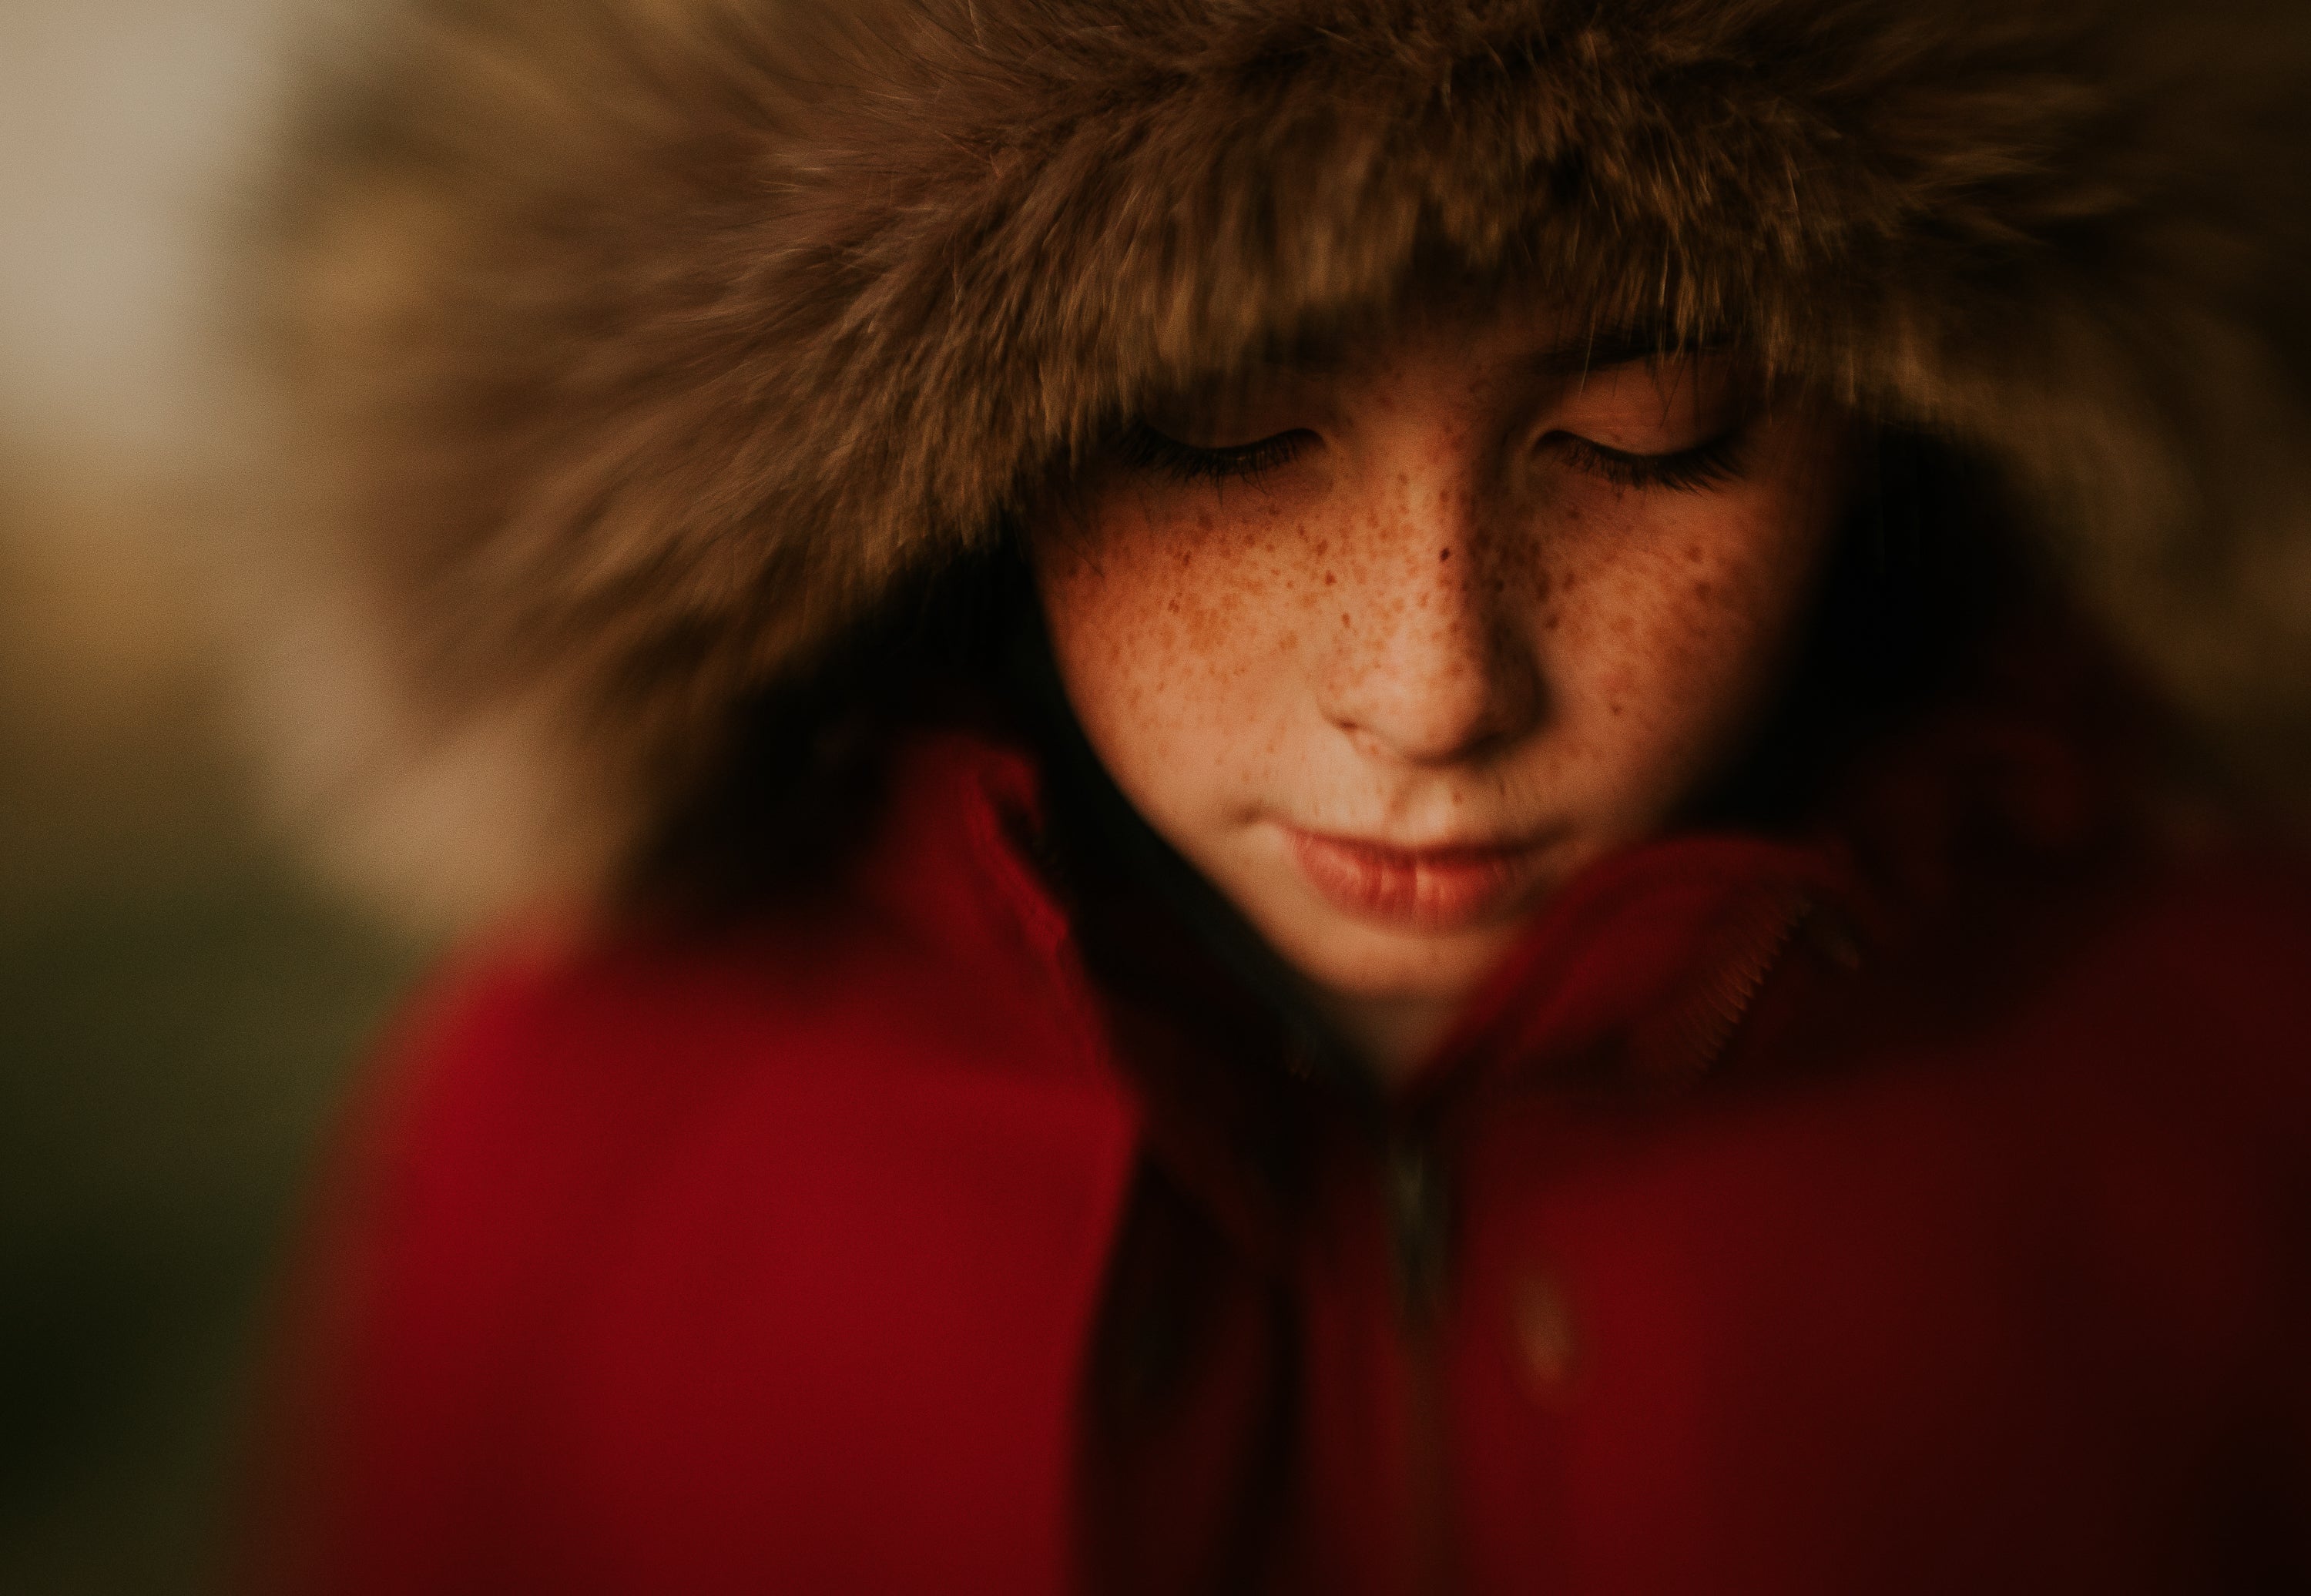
(640, 346)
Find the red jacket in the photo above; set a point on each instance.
(1787, 1218)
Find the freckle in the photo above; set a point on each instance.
(1443, 555)
(1330, 581)
(1702, 589)
(1344, 619)
(1615, 708)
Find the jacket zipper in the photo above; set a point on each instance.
(1420, 1225)
(1698, 1030)
(1417, 1191)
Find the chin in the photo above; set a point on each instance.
(1356, 960)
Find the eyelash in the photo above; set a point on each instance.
(1143, 447)
(1704, 466)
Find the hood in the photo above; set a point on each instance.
(635, 351)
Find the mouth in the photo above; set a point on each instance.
(1433, 889)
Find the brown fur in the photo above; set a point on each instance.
(639, 345)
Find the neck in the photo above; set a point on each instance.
(1392, 1037)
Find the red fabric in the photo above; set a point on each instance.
(780, 1258)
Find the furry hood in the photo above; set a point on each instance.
(637, 348)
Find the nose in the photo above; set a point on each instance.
(1427, 665)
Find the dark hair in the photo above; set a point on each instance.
(802, 780)
(1926, 568)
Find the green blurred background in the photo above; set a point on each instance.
(180, 1003)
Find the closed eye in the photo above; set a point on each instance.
(1692, 470)
(1142, 446)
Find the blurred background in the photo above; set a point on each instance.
(179, 1005)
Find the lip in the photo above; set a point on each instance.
(1435, 889)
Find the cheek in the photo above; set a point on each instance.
(1666, 631)
(1166, 626)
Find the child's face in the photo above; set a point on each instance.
(1389, 646)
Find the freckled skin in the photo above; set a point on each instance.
(1434, 626)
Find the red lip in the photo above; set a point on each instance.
(1432, 888)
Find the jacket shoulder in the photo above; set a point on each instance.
(2222, 944)
(609, 1209)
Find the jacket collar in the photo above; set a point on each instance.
(1631, 980)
